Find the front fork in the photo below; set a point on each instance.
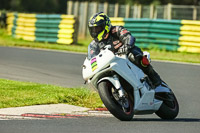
(119, 93)
(118, 86)
(122, 98)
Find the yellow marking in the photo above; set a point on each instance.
(65, 36)
(67, 17)
(65, 21)
(190, 22)
(99, 18)
(100, 35)
(65, 41)
(117, 21)
(190, 33)
(94, 68)
(66, 26)
(29, 38)
(66, 31)
(189, 49)
(190, 38)
(26, 26)
(190, 28)
(188, 43)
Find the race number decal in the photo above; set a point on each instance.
(94, 64)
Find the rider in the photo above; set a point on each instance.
(122, 42)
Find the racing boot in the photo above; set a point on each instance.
(150, 72)
(153, 75)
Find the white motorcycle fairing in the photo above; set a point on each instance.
(106, 61)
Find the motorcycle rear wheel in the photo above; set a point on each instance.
(106, 89)
(169, 110)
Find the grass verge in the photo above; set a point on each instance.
(17, 94)
(6, 40)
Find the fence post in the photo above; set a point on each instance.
(127, 11)
(194, 13)
(76, 7)
(69, 7)
(139, 15)
(85, 19)
(116, 10)
(95, 7)
(105, 10)
(151, 11)
(135, 11)
(169, 11)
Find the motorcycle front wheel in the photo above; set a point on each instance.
(109, 96)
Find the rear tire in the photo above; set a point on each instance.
(169, 110)
(105, 89)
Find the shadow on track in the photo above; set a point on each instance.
(160, 120)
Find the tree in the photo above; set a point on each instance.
(35, 6)
(180, 2)
(59, 6)
(5, 4)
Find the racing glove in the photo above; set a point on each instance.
(125, 49)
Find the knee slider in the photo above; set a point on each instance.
(145, 62)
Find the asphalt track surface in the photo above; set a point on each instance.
(47, 67)
(63, 68)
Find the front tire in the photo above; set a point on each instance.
(169, 109)
(106, 92)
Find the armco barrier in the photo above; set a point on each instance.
(190, 36)
(161, 34)
(172, 35)
(40, 27)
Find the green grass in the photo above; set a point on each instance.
(17, 94)
(81, 46)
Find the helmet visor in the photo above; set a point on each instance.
(95, 30)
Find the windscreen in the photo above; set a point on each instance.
(92, 52)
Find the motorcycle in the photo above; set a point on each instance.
(124, 89)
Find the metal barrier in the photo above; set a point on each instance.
(45, 28)
(161, 34)
(189, 40)
(172, 35)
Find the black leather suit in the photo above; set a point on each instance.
(123, 42)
